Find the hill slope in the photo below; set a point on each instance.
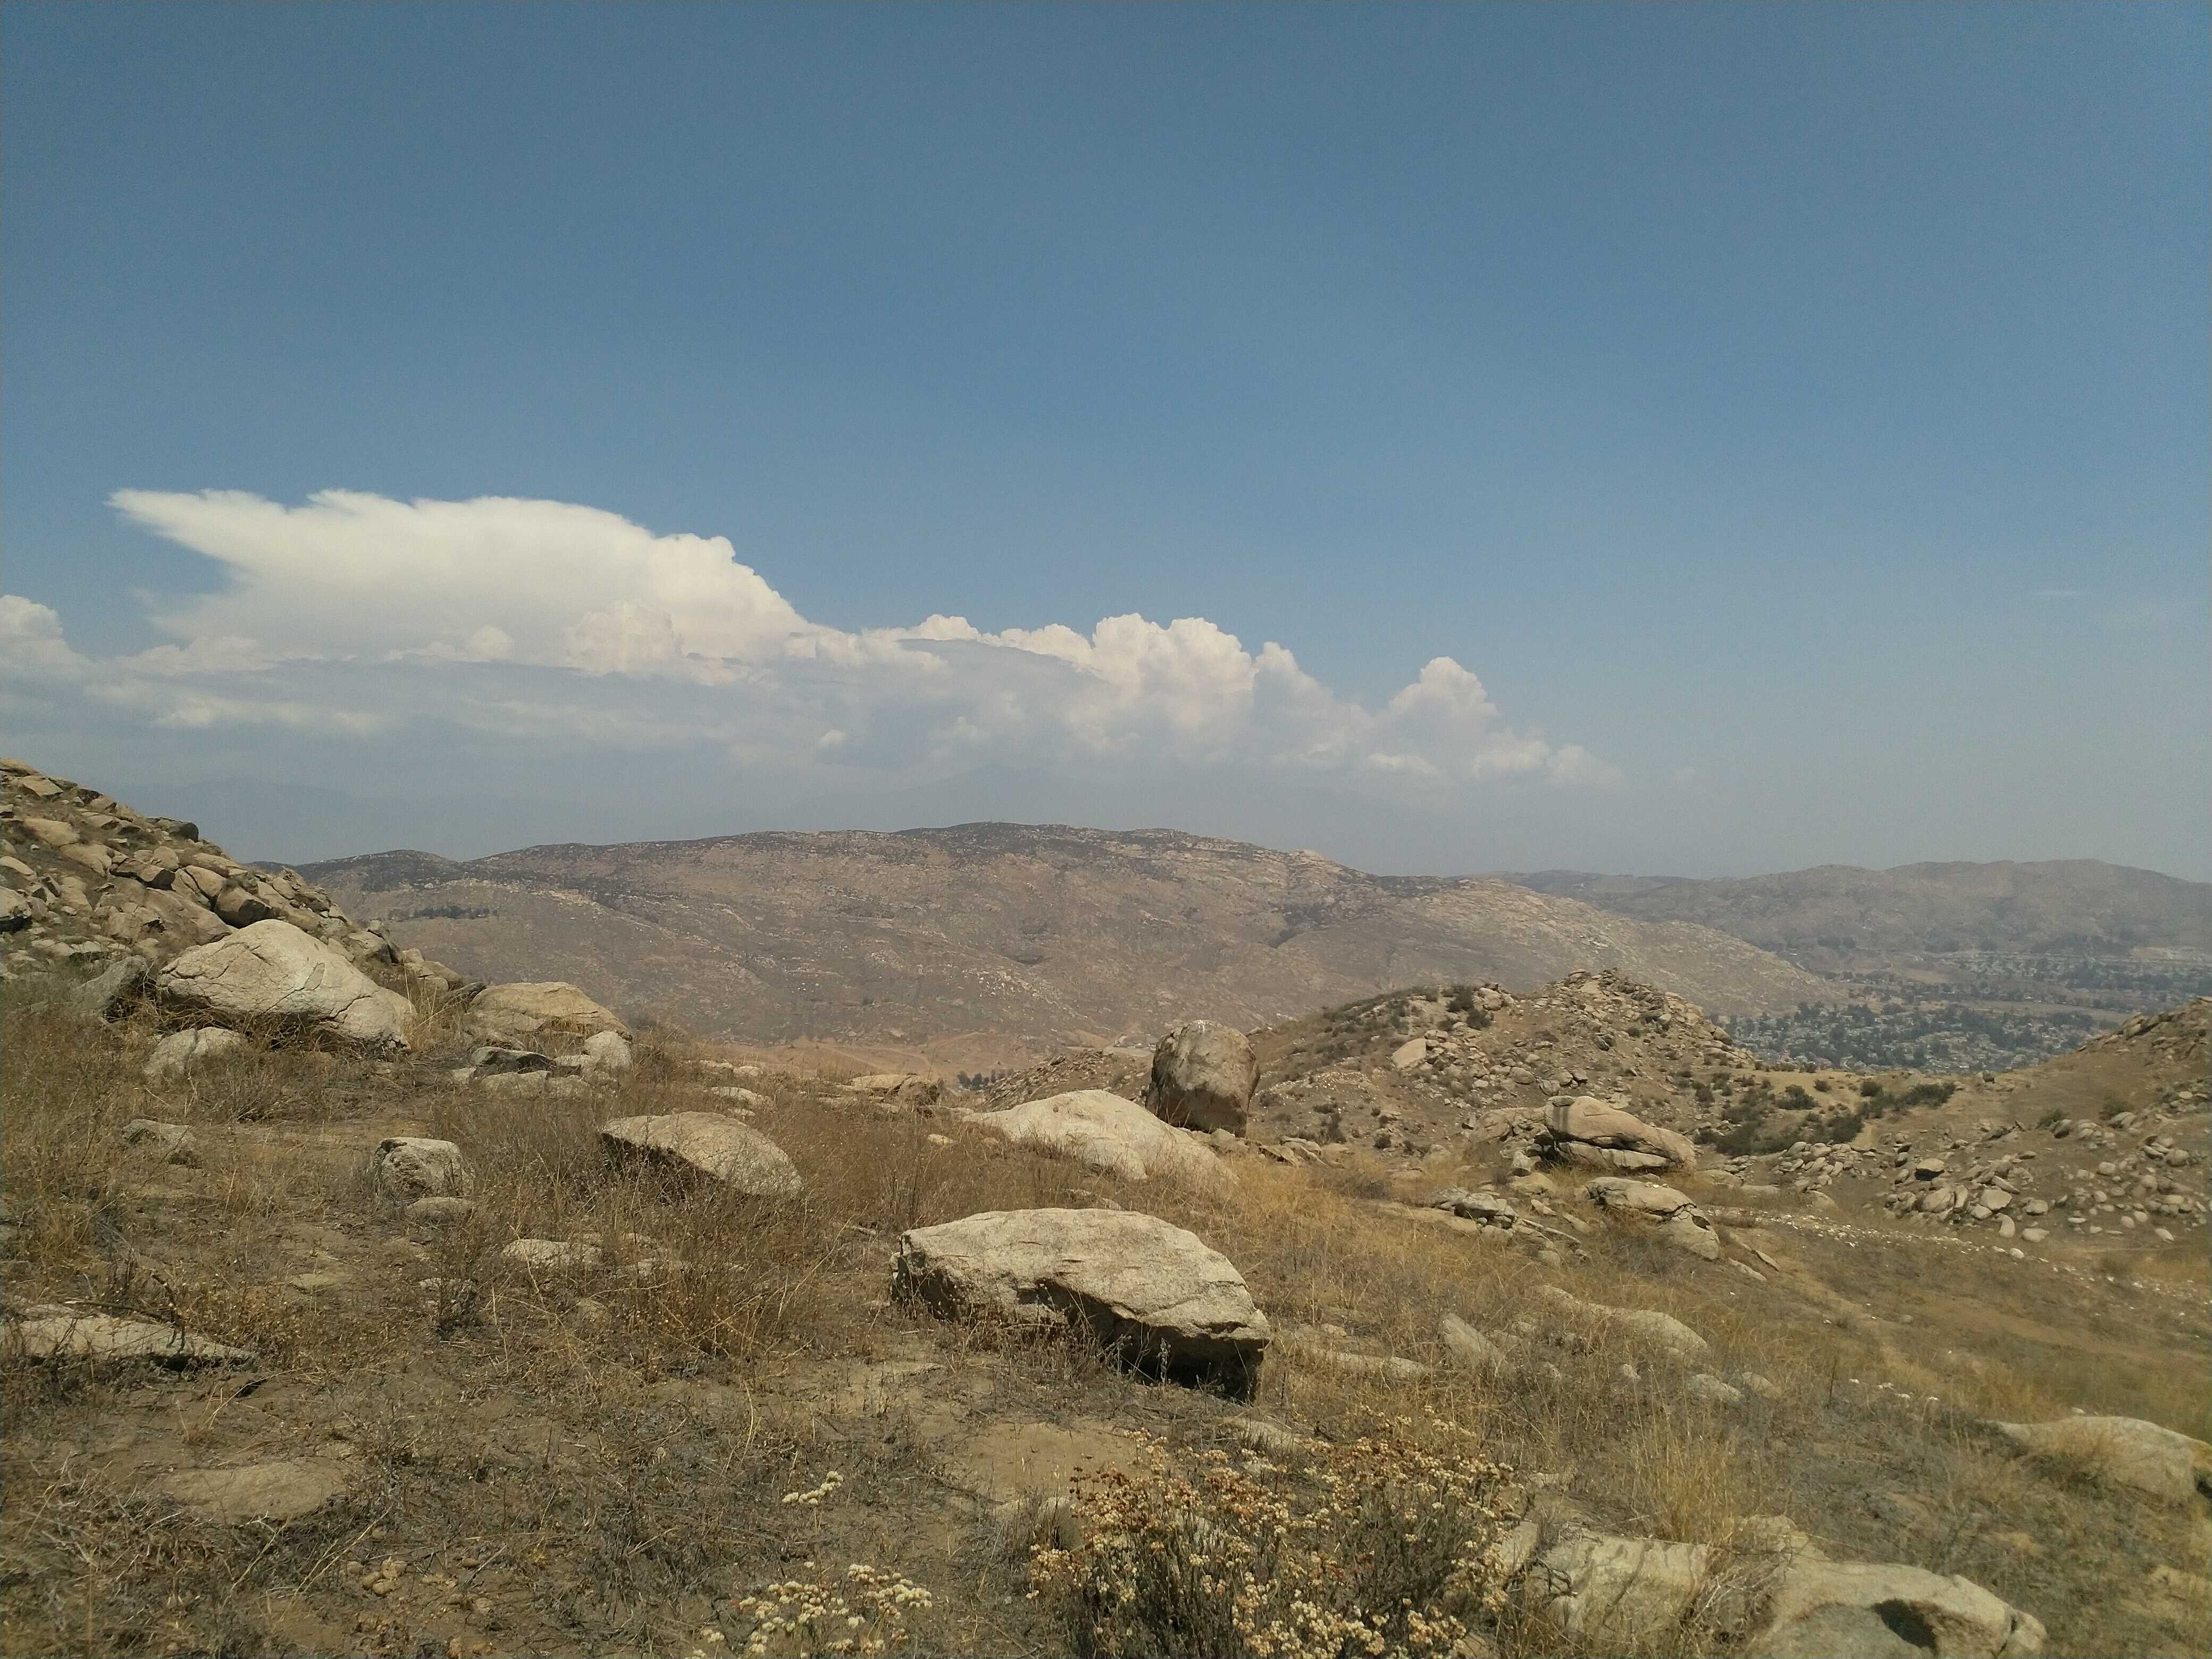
(1049, 932)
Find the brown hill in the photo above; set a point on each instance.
(1047, 933)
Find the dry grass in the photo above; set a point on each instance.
(637, 1422)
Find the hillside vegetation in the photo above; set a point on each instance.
(419, 1316)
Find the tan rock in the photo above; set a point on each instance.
(1203, 1076)
(1108, 1132)
(519, 1013)
(2146, 1456)
(281, 1490)
(271, 971)
(1131, 1283)
(709, 1143)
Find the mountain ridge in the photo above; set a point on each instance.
(1054, 931)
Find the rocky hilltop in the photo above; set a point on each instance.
(90, 883)
(1053, 934)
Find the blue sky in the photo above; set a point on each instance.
(1787, 425)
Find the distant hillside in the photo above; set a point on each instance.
(1055, 934)
(1837, 915)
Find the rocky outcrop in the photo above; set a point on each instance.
(1640, 1594)
(86, 881)
(271, 972)
(1203, 1076)
(523, 1014)
(704, 1144)
(1590, 1131)
(2126, 1450)
(1676, 1218)
(1108, 1133)
(1137, 1286)
(1646, 1328)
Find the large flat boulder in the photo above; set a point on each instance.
(1825, 1610)
(2127, 1450)
(707, 1143)
(1589, 1130)
(1645, 1327)
(1203, 1076)
(49, 1332)
(1135, 1285)
(1622, 1595)
(271, 971)
(1677, 1220)
(517, 1015)
(1108, 1133)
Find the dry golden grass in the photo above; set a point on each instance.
(638, 1421)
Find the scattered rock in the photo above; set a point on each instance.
(709, 1143)
(1679, 1221)
(515, 1015)
(109, 993)
(281, 1490)
(48, 1332)
(1471, 1350)
(271, 971)
(1703, 1385)
(1203, 1076)
(178, 1052)
(2148, 1457)
(1131, 1283)
(171, 1143)
(1660, 1333)
(407, 1167)
(1108, 1133)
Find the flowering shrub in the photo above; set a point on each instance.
(865, 1613)
(1376, 1549)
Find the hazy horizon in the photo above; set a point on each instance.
(1697, 440)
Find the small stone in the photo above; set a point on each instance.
(171, 1143)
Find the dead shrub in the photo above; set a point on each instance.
(1379, 1546)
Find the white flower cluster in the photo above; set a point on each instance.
(814, 1495)
(865, 1614)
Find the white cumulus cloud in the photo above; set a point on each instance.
(354, 614)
